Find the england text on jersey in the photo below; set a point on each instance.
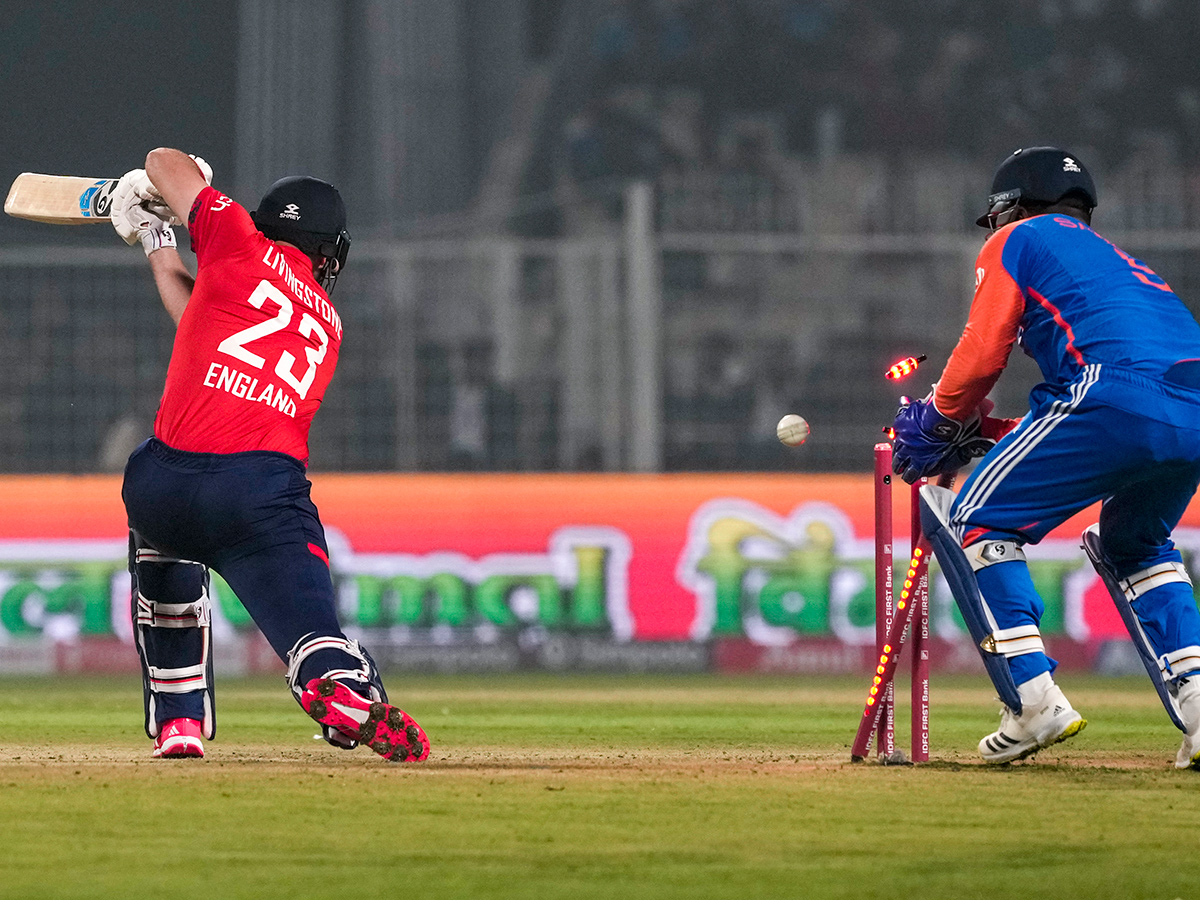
(246, 387)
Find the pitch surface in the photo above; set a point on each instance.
(589, 787)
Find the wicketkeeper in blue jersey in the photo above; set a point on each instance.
(1116, 419)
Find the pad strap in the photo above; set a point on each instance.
(153, 614)
(1014, 641)
(988, 553)
(308, 645)
(1178, 663)
(148, 555)
(1147, 580)
(179, 681)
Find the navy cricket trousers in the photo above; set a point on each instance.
(249, 517)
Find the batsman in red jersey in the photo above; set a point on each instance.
(222, 483)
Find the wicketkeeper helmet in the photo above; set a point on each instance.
(1036, 175)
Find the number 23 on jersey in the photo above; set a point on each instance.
(286, 364)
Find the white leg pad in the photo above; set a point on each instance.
(161, 629)
(1178, 662)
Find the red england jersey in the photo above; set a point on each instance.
(256, 346)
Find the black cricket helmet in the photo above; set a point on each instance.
(1036, 175)
(309, 213)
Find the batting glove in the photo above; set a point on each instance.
(205, 168)
(131, 218)
(153, 200)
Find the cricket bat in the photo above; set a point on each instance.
(60, 199)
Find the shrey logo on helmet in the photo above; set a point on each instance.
(291, 211)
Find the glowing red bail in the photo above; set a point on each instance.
(905, 367)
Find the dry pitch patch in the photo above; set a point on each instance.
(53, 759)
(534, 723)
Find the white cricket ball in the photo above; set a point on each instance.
(792, 430)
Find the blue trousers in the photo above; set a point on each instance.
(249, 517)
(1112, 436)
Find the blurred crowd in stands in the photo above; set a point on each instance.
(737, 85)
(855, 116)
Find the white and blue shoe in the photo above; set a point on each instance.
(1187, 697)
(1047, 717)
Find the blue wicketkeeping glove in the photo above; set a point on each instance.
(928, 443)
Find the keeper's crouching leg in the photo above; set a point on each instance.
(1162, 624)
(172, 626)
(1157, 603)
(1046, 716)
(991, 584)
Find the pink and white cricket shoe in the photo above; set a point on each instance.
(178, 739)
(386, 729)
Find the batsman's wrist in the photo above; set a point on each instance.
(154, 239)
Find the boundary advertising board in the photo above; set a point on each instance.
(499, 572)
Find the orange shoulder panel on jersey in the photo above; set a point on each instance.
(987, 340)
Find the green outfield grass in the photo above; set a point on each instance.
(590, 787)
